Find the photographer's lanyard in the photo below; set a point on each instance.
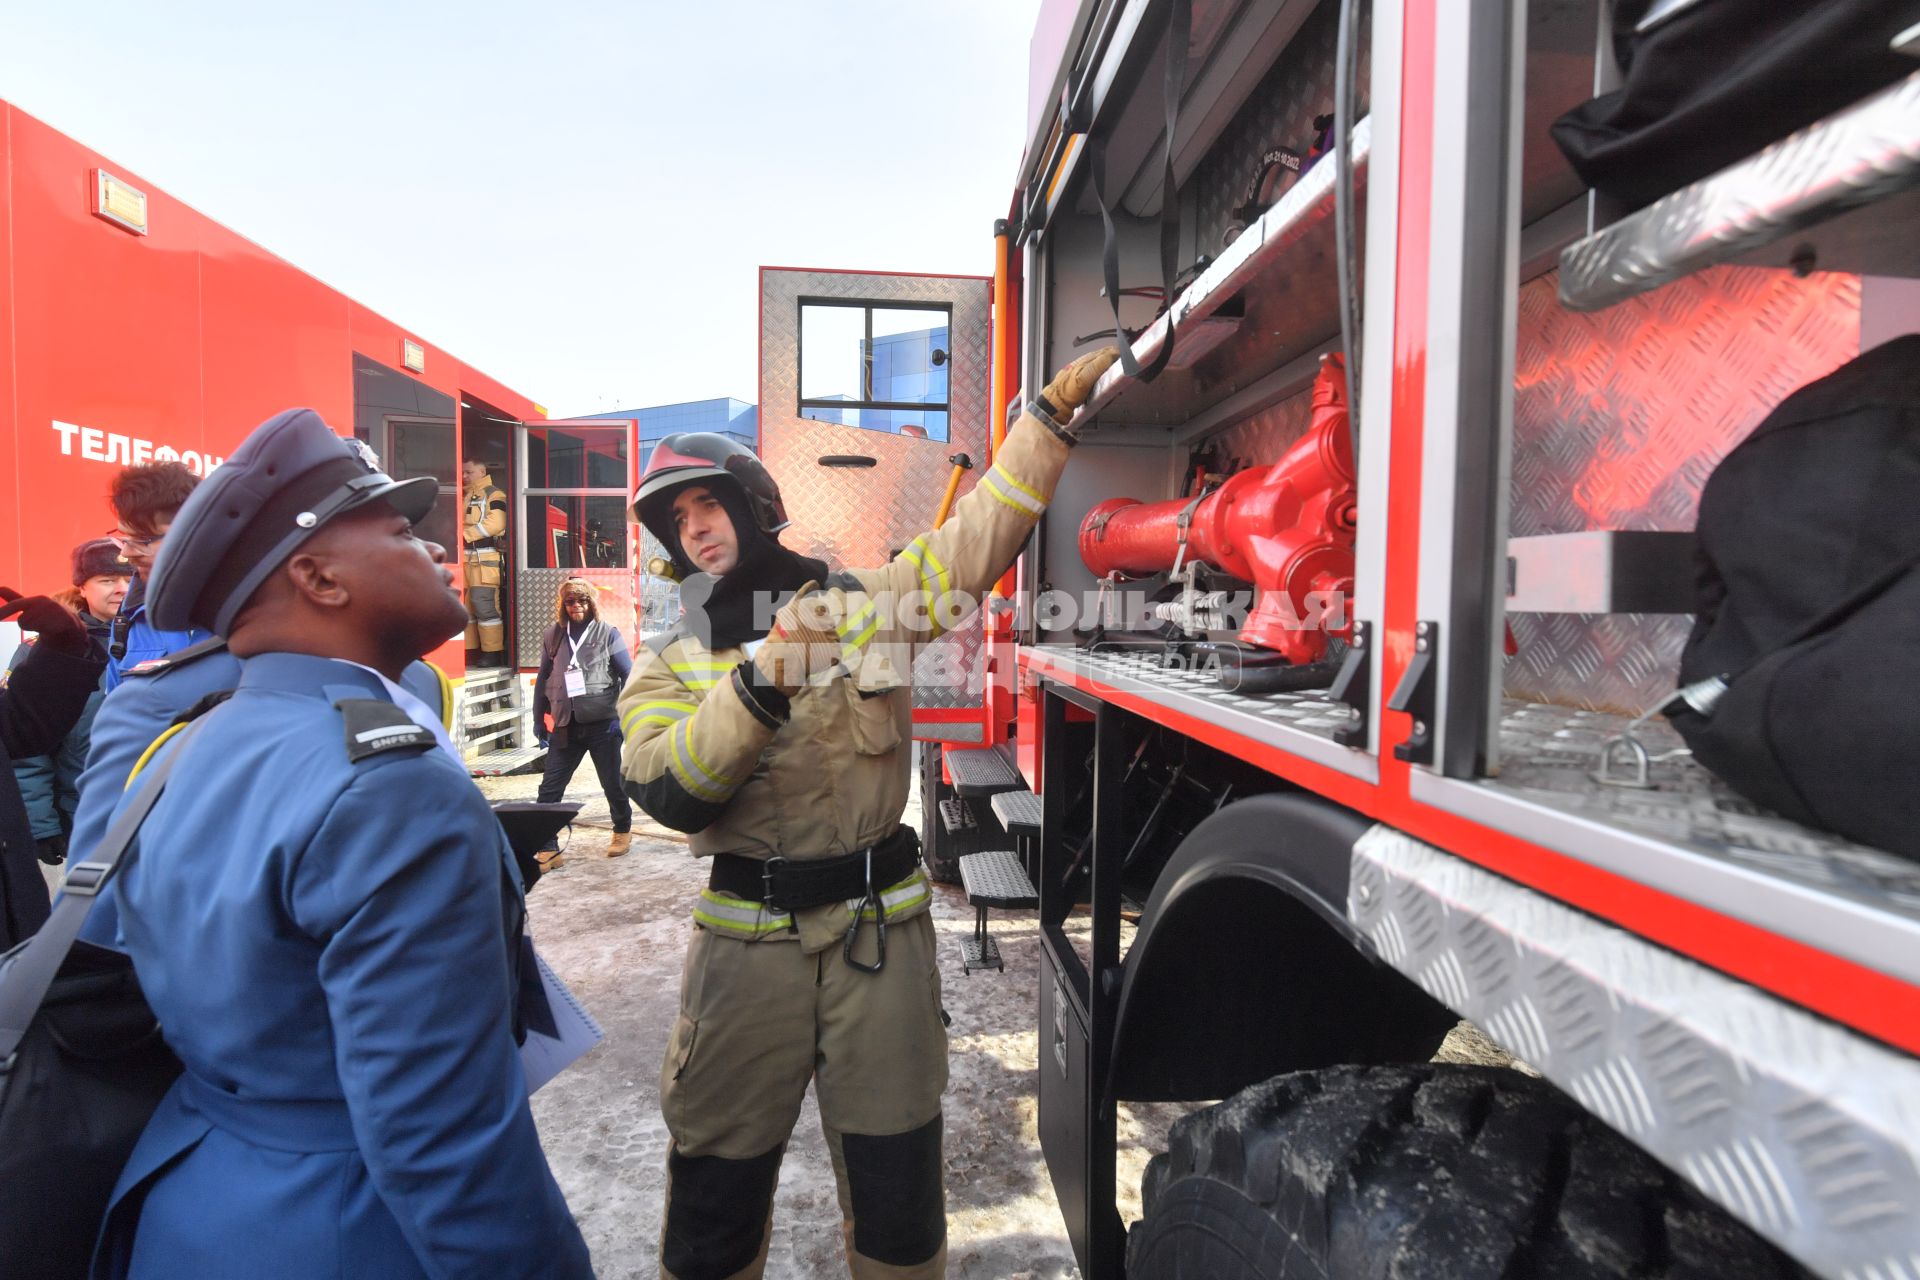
(576, 676)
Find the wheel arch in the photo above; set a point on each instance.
(1245, 964)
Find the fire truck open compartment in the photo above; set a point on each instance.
(1544, 383)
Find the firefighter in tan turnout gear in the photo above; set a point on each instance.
(780, 740)
(483, 529)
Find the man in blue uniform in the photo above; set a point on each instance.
(324, 913)
(152, 698)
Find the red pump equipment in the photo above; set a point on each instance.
(1287, 528)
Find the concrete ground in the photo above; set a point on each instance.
(616, 929)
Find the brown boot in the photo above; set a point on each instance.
(551, 860)
(621, 842)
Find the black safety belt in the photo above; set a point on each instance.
(1179, 33)
(36, 962)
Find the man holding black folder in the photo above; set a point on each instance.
(337, 976)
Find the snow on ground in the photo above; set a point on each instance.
(616, 930)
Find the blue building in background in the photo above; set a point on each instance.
(725, 416)
(903, 371)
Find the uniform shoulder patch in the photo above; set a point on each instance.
(375, 725)
(173, 661)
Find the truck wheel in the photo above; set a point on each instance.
(1402, 1172)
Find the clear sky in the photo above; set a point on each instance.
(573, 196)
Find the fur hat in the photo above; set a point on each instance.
(98, 558)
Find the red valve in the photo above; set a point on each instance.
(1287, 528)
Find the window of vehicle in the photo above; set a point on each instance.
(880, 367)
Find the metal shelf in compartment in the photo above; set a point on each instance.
(1840, 195)
(1301, 724)
(1690, 835)
(1280, 272)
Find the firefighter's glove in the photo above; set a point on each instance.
(59, 627)
(803, 644)
(1069, 389)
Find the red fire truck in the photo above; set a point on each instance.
(1284, 896)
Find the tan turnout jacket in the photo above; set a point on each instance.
(834, 778)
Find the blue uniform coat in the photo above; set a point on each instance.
(328, 945)
(142, 709)
(144, 641)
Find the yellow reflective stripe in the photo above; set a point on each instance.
(1013, 480)
(683, 748)
(654, 713)
(910, 892)
(999, 485)
(152, 749)
(701, 675)
(944, 580)
(446, 696)
(736, 915)
(870, 616)
(934, 583)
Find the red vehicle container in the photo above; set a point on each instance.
(138, 329)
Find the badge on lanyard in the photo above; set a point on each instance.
(575, 677)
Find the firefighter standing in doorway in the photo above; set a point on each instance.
(483, 528)
(785, 750)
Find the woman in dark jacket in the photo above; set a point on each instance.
(583, 666)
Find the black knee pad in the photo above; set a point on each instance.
(899, 1204)
(716, 1213)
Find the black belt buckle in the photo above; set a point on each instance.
(879, 926)
(768, 869)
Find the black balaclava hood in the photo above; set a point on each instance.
(738, 607)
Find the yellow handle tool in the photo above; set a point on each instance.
(961, 465)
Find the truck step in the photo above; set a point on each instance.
(494, 764)
(995, 878)
(980, 952)
(983, 771)
(1018, 811)
(955, 817)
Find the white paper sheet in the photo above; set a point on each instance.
(543, 1057)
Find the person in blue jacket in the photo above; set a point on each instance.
(146, 500)
(324, 913)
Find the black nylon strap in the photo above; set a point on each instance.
(31, 967)
(787, 885)
(1179, 33)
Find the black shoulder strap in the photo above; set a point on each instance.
(374, 725)
(180, 658)
(29, 969)
(1179, 33)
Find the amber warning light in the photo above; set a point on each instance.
(118, 203)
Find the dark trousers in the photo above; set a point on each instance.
(570, 743)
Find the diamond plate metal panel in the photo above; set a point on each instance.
(1808, 1133)
(1263, 437)
(1618, 419)
(538, 589)
(1851, 159)
(860, 518)
(1280, 112)
(1549, 754)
